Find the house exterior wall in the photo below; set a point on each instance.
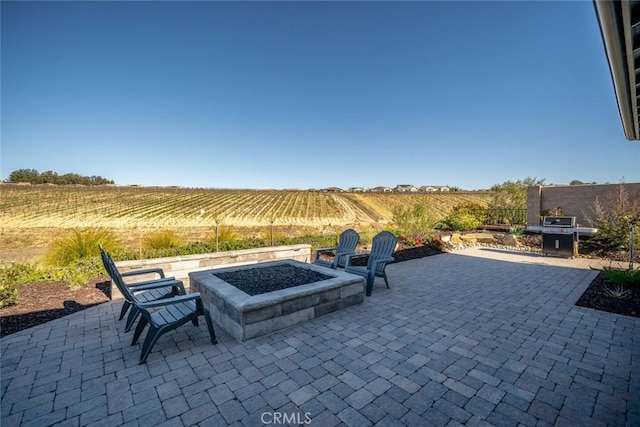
(573, 200)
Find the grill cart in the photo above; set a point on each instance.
(560, 236)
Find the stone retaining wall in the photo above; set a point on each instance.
(180, 266)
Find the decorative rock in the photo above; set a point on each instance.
(445, 238)
(455, 238)
(510, 240)
(479, 237)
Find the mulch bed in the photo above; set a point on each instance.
(42, 302)
(597, 297)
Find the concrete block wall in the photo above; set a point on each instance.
(574, 200)
(180, 266)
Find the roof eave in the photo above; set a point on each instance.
(614, 19)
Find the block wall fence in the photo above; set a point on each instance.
(574, 200)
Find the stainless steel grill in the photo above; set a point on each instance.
(560, 236)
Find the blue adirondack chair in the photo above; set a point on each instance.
(382, 248)
(148, 290)
(346, 245)
(162, 315)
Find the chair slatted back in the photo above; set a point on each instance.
(115, 275)
(347, 245)
(382, 247)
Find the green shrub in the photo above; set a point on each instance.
(79, 243)
(78, 273)
(164, 239)
(618, 277)
(8, 294)
(613, 217)
(75, 274)
(225, 234)
(412, 220)
(466, 216)
(516, 231)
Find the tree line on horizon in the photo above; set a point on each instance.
(32, 176)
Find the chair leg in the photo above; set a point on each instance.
(125, 307)
(370, 280)
(143, 322)
(207, 317)
(212, 333)
(384, 275)
(133, 315)
(152, 336)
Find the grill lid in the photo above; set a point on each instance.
(559, 221)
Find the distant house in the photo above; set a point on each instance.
(356, 189)
(333, 189)
(405, 188)
(434, 188)
(380, 189)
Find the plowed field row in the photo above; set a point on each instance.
(61, 206)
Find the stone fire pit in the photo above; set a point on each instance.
(247, 316)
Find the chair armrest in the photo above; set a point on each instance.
(164, 283)
(376, 263)
(146, 271)
(386, 260)
(169, 301)
(324, 249)
(318, 250)
(354, 255)
(133, 285)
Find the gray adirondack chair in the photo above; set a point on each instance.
(346, 245)
(148, 290)
(162, 315)
(382, 248)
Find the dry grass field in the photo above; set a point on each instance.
(31, 215)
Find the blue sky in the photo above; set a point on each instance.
(310, 94)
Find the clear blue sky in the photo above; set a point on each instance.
(310, 94)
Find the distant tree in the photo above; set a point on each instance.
(512, 195)
(50, 177)
(24, 175)
(578, 182)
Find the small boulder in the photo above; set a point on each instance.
(455, 238)
(510, 240)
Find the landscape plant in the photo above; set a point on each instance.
(516, 231)
(615, 217)
(466, 216)
(75, 275)
(621, 277)
(163, 239)
(512, 194)
(434, 242)
(413, 220)
(412, 241)
(79, 243)
(618, 292)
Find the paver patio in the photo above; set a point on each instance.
(479, 337)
